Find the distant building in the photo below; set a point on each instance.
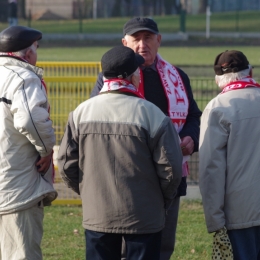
(61, 9)
(73, 9)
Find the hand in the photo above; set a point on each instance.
(221, 230)
(44, 163)
(187, 145)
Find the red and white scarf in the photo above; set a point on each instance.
(121, 85)
(178, 102)
(240, 84)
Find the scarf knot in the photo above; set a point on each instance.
(120, 85)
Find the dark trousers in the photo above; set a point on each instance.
(107, 246)
(169, 231)
(245, 243)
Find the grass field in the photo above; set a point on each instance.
(175, 55)
(187, 58)
(195, 61)
(247, 21)
(64, 235)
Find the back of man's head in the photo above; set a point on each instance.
(230, 66)
(120, 62)
(230, 62)
(16, 38)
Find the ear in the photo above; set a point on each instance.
(159, 39)
(124, 42)
(251, 73)
(28, 54)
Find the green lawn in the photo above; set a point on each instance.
(175, 55)
(246, 21)
(64, 235)
(187, 58)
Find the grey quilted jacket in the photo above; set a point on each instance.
(122, 155)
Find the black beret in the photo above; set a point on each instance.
(120, 62)
(230, 61)
(16, 38)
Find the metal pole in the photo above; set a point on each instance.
(30, 14)
(80, 17)
(237, 16)
(29, 18)
(208, 14)
(94, 9)
(182, 20)
(208, 21)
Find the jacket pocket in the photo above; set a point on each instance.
(49, 174)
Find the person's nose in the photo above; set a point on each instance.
(142, 43)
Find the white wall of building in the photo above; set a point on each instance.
(62, 8)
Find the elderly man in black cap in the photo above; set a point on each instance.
(229, 156)
(168, 87)
(122, 155)
(27, 139)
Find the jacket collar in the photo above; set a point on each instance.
(15, 61)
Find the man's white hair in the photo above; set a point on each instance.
(223, 80)
(126, 37)
(22, 53)
(136, 72)
(127, 78)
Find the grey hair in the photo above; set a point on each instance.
(126, 37)
(136, 72)
(22, 53)
(223, 80)
(127, 78)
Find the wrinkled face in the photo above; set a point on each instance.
(31, 54)
(144, 43)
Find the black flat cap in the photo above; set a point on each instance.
(140, 24)
(16, 38)
(230, 61)
(120, 62)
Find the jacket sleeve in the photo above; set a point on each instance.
(30, 114)
(212, 168)
(192, 125)
(98, 86)
(68, 156)
(167, 157)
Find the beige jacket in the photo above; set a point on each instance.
(229, 162)
(26, 132)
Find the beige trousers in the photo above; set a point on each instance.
(21, 234)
